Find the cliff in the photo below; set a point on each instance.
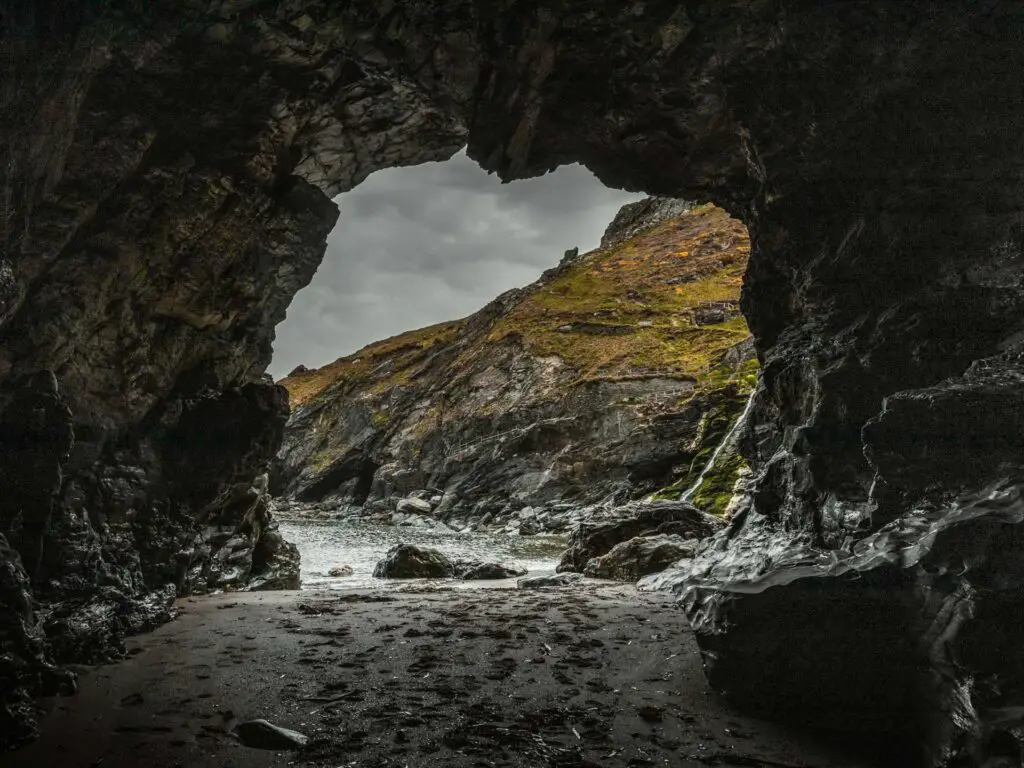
(609, 378)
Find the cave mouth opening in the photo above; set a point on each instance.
(616, 322)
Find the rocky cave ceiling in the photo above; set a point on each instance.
(167, 182)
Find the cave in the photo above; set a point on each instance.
(167, 184)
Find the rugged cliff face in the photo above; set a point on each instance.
(613, 376)
(166, 183)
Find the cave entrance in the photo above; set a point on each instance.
(509, 353)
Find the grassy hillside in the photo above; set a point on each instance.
(402, 352)
(630, 309)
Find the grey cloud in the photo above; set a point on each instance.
(415, 246)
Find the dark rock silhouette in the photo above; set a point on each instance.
(261, 734)
(478, 571)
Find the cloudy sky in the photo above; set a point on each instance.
(416, 246)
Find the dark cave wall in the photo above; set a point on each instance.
(167, 191)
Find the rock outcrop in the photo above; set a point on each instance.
(640, 556)
(165, 191)
(595, 538)
(594, 384)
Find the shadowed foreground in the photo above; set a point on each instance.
(595, 676)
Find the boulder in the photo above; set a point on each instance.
(341, 570)
(540, 582)
(412, 506)
(632, 560)
(590, 540)
(275, 564)
(475, 570)
(529, 527)
(406, 561)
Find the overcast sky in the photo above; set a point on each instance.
(416, 246)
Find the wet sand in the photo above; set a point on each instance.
(595, 675)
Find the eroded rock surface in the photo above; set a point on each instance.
(166, 188)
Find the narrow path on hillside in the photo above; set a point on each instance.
(592, 676)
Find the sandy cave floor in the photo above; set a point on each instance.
(593, 675)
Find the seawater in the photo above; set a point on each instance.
(330, 544)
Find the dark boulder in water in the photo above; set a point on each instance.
(407, 561)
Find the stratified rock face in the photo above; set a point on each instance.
(598, 383)
(165, 192)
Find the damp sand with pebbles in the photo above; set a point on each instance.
(593, 674)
